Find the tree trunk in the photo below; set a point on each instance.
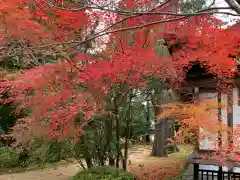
(124, 163)
(147, 137)
(111, 161)
(117, 134)
(171, 135)
(108, 137)
(77, 157)
(89, 162)
(158, 149)
(127, 133)
(175, 148)
(101, 157)
(117, 143)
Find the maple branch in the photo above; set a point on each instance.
(212, 3)
(198, 13)
(84, 7)
(50, 4)
(105, 32)
(129, 12)
(130, 15)
(149, 12)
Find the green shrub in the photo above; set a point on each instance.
(103, 173)
(57, 151)
(38, 152)
(49, 152)
(8, 157)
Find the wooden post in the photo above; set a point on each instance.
(219, 99)
(230, 116)
(195, 171)
(220, 174)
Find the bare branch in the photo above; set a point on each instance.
(129, 15)
(212, 3)
(106, 32)
(234, 5)
(149, 12)
(202, 12)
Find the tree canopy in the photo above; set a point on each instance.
(80, 80)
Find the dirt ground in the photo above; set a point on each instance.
(138, 157)
(59, 173)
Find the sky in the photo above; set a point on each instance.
(229, 19)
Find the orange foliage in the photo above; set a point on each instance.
(16, 22)
(202, 114)
(198, 121)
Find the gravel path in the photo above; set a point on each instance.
(58, 173)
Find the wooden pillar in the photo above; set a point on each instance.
(220, 174)
(195, 171)
(196, 99)
(219, 100)
(238, 90)
(230, 116)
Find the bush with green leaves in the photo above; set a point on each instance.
(37, 153)
(103, 173)
(99, 144)
(9, 157)
(48, 152)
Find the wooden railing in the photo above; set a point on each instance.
(202, 174)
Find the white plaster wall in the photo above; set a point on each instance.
(224, 109)
(209, 142)
(206, 144)
(236, 116)
(224, 118)
(236, 108)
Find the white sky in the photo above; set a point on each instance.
(229, 19)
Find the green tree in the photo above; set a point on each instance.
(191, 6)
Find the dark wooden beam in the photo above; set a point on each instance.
(195, 171)
(230, 115)
(219, 100)
(238, 90)
(220, 173)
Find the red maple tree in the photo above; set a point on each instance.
(61, 91)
